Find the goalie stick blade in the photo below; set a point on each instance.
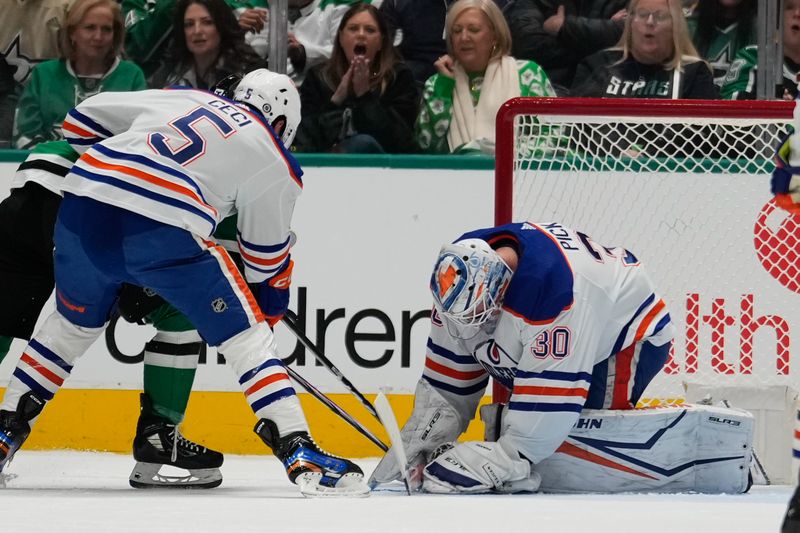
(389, 422)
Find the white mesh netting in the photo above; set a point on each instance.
(690, 197)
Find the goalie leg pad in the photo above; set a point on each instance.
(433, 422)
(673, 449)
(479, 467)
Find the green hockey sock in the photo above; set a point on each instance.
(170, 363)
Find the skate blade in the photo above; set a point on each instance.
(149, 476)
(350, 486)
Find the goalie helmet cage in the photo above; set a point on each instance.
(684, 185)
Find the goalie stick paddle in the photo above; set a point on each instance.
(290, 320)
(330, 404)
(390, 423)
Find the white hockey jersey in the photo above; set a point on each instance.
(188, 158)
(570, 305)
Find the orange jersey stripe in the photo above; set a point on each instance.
(263, 382)
(33, 363)
(72, 128)
(449, 372)
(536, 322)
(240, 282)
(550, 391)
(261, 261)
(648, 319)
(155, 180)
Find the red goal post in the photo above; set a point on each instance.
(684, 185)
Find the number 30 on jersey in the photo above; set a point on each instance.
(553, 342)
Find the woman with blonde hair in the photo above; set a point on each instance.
(473, 79)
(654, 58)
(91, 44)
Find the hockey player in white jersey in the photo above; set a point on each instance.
(571, 328)
(159, 170)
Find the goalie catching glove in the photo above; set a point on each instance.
(433, 422)
(785, 182)
(479, 467)
(273, 294)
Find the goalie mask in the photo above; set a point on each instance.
(468, 285)
(273, 95)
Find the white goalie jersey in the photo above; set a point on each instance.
(581, 327)
(166, 154)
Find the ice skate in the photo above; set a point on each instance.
(315, 472)
(15, 428)
(159, 445)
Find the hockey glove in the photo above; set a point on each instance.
(479, 467)
(273, 294)
(785, 182)
(433, 422)
(135, 303)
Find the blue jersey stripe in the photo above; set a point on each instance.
(447, 354)
(251, 266)
(461, 391)
(84, 142)
(91, 123)
(50, 355)
(555, 375)
(34, 385)
(266, 364)
(661, 323)
(545, 407)
(147, 193)
(270, 398)
(624, 333)
(263, 248)
(145, 161)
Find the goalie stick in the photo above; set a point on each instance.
(330, 404)
(390, 423)
(290, 320)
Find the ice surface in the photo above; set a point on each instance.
(89, 492)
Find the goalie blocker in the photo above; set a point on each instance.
(664, 449)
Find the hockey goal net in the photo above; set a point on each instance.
(685, 186)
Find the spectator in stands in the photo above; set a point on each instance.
(418, 32)
(91, 43)
(207, 46)
(364, 99)
(655, 58)
(7, 102)
(312, 30)
(719, 29)
(474, 78)
(149, 25)
(740, 81)
(558, 34)
(28, 35)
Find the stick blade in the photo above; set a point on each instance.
(389, 421)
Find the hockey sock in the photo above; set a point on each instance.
(5, 345)
(170, 363)
(48, 359)
(263, 378)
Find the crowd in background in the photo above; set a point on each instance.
(390, 76)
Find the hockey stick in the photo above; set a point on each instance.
(290, 320)
(330, 404)
(389, 422)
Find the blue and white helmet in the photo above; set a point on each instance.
(469, 282)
